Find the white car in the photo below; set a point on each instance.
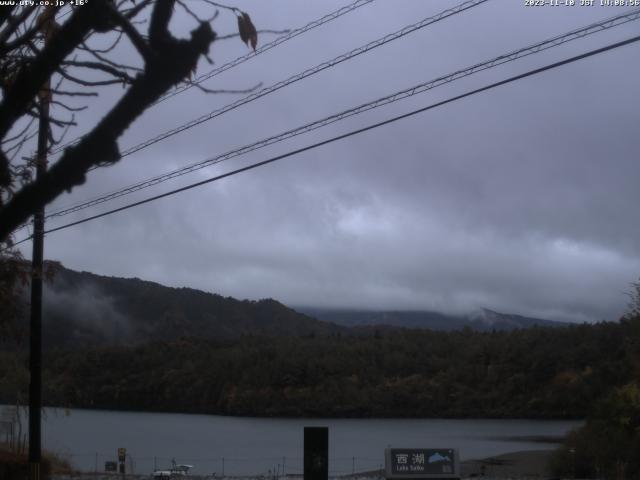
(177, 470)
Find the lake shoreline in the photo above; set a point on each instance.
(309, 418)
(514, 465)
(236, 446)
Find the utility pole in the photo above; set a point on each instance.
(37, 258)
(35, 344)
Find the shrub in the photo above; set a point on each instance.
(607, 445)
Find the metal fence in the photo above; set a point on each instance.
(273, 468)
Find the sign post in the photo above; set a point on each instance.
(422, 463)
(122, 456)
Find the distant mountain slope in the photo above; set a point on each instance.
(85, 309)
(483, 320)
(82, 308)
(486, 319)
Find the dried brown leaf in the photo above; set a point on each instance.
(248, 32)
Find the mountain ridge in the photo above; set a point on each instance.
(84, 308)
(482, 320)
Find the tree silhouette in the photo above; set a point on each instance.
(52, 61)
(35, 48)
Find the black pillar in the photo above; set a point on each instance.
(316, 453)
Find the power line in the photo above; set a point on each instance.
(421, 88)
(237, 61)
(294, 33)
(309, 72)
(305, 74)
(354, 132)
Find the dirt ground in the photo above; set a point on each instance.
(531, 464)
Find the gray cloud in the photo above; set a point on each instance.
(90, 313)
(520, 199)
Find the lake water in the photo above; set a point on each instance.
(240, 445)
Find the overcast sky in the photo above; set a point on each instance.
(522, 199)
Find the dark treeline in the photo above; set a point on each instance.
(532, 373)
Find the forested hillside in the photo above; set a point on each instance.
(82, 308)
(482, 320)
(536, 373)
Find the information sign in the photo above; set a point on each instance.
(417, 463)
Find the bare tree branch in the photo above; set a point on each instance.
(19, 146)
(131, 13)
(208, 90)
(236, 35)
(106, 50)
(99, 147)
(22, 132)
(62, 123)
(124, 76)
(226, 7)
(6, 13)
(141, 45)
(29, 62)
(73, 94)
(105, 60)
(29, 80)
(12, 25)
(159, 28)
(88, 83)
(188, 10)
(67, 107)
(64, 134)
